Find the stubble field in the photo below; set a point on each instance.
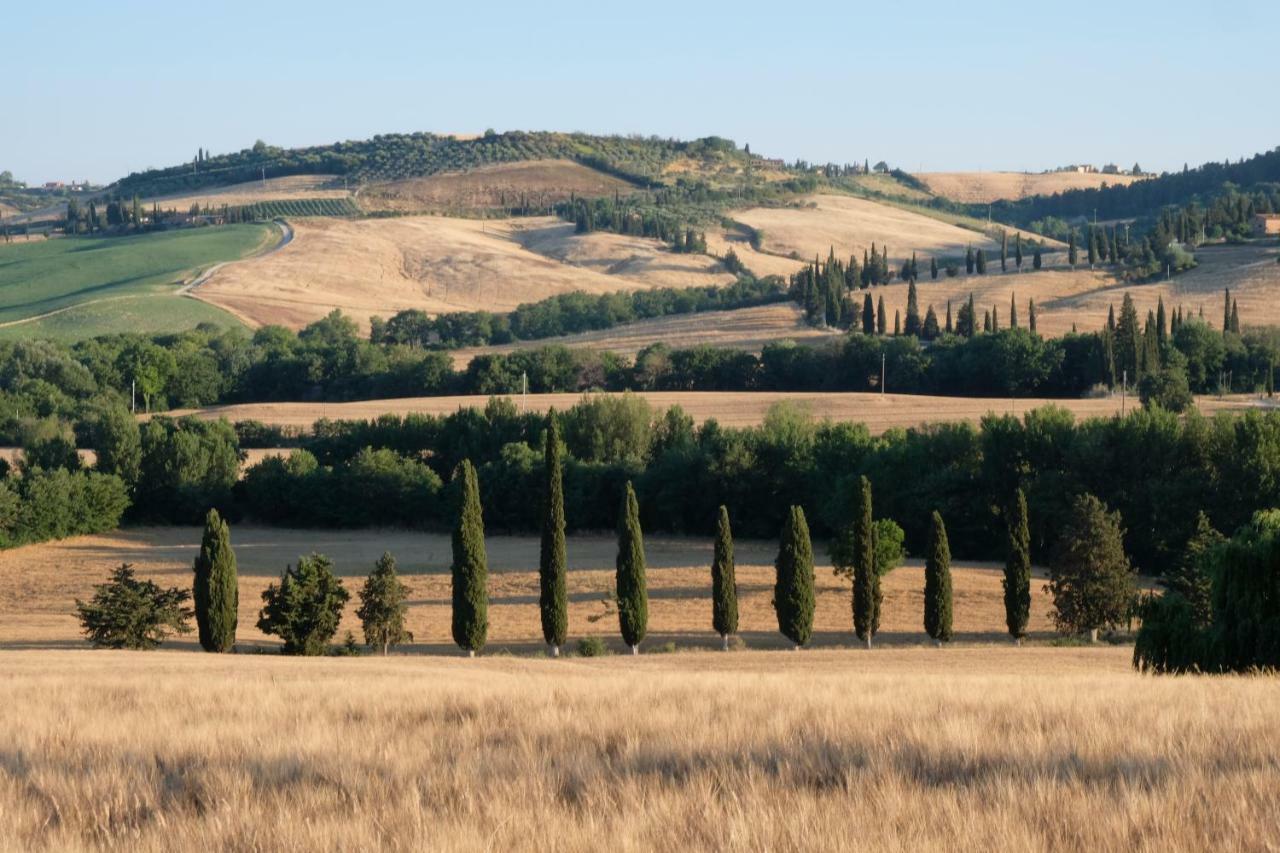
(979, 187)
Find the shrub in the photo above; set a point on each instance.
(127, 613)
(304, 610)
(592, 647)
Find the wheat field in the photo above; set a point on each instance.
(912, 749)
(979, 187)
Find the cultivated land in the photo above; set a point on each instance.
(978, 187)
(879, 412)
(539, 182)
(1082, 296)
(115, 283)
(743, 328)
(818, 223)
(44, 581)
(439, 264)
(288, 188)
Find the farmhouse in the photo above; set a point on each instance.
(1266, 224)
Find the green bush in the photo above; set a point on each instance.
(127, 613)
(592, 647)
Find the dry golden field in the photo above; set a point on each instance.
(1081, 297)
(542, 182)
(43, 581)
(978, 187)
(438, 264)
(851, 225)
(273, 189)
(896, 749)
(720, 241)
(879, 412)
(744, 328)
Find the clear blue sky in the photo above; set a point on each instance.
(96, 89)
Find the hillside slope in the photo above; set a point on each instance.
(983, 187)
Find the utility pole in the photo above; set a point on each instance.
(1124, 388)
(133, 397)
(881, 372)
(264, 176)
(524, 391)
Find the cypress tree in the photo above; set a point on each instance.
(950, 328)
(866, 580)
(1226, 312)
(968, 260)
(1017, 569)
(1071, 249)
(632, 590)
(1162, 333)
(724, 583)
(937, 583)
(995, 318)
(793, 596)
(470, 567)
(980, 262)
(986, 321)
(215, 590)
(1013, 311)
(1004, 251)
(897, 322)
(882, 325)
(1031, 316)
(1036, 261)
(552, 596)
(1235, 317)
(868, 315)
(933, 268)
(1017, 250)
(913, 310)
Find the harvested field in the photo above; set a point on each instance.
(44, 580)
(761, 264)
(879, 412)
(851, 225)
(980, 187)
(744, 328)
(377, 267)
(288, 188)
(541, 182)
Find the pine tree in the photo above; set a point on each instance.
(1017, 569)
(470, 567)
(126, 613)
(305, 609)
(793, 595)
(382, 606)
(1090, 578)
(1031, 316)
(866, 580)
(215, 588)
(937, 583)
(552, 596)
(913, 311)
(882, 325)
(724, 584)
(632, 588)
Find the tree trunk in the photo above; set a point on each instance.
(555, 651)
(1093, 635)
(937, 643)
(385, 645)
(635, 650)
(868, 641)
(471, 653)
(724, 642)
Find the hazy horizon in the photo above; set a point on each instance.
(925, 86)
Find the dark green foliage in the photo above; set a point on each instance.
(1017, 568)
(793, 591)
(305, 608)
(43, 505)
(215, 588)
(1190, 576)
(1036, 261)
(866, 579)
(118, 443)
(724, 583)
(470, 567)
(631, 586)
(127, 613)
(937, 583)
(913, 324)
(383, 607)
(1166, 388)
(1090, 578)
(187, 466)
(552, 595)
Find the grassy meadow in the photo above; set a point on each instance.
(91, 281)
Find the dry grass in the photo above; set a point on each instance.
(541, 181)
(744, 328)
(761, 264)
(914, 749)
(879, 412)
(274, 189)
(978, 187)
(851, 225)
(439, 264)
(43, 581)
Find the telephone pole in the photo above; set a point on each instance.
(881, 372)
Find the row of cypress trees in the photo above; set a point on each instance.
(216, 597)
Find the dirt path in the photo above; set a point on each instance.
(286, 237)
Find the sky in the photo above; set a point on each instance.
(97, 90)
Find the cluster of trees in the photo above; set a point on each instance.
(567, 314)
(1091, 579)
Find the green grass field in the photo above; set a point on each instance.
(99, 285)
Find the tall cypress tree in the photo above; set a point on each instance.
(793, 596)
(215, 589)
(937, 583)
(950, 328)
(933, 268)
(913, 310)
(866, 580)
(1013, 311)
(1004, 251)
(552, 597)
(632, 588)
(882, 320)
(470, 567)
(1017, 569)
(1031, 316)
(1017, 250)
(1071, 249)
(868, 315)
(1036, 261)
(968, 260)
(724, 582)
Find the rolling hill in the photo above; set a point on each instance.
(983, 187)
